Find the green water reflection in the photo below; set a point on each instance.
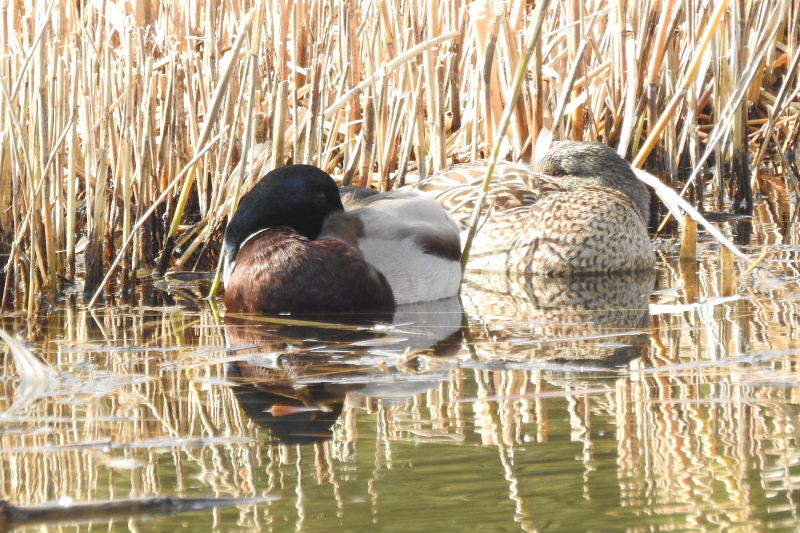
(665, 402)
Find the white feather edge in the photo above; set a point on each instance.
(229, 263)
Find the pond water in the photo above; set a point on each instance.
(663, 401)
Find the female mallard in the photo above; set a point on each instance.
(296, 244)
(578, 210)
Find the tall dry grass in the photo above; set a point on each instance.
(129, 128)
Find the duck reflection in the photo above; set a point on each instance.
(292, 414)
(591, 319)
(296, 377)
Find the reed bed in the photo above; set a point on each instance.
(129, 128)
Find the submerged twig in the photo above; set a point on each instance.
(12, 516)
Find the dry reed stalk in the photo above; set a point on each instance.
(388, 67)
(208, 122)
(775, 112)
(691, 79)
(367, 142)
(727, 284)
(246, 149)
(688, 250)
(533, 35)
(188, 168)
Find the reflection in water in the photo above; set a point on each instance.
(292, 415)
(603, 319)
(617, 403)
(295, 379)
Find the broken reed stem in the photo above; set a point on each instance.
(688, 250)
(167, 191)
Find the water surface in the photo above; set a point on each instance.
(664, 401)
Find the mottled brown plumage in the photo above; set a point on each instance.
(578, 209)
(279, 270)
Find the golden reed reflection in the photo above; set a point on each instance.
(680, 393)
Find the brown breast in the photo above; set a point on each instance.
(280, 271)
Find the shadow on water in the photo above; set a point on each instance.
(666, 400)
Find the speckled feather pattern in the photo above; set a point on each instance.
(556, 225)
(456, 188)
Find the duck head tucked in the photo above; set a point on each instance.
(299, 197)
(299, 243)
(275, 260)
(579, 164)
(578, 209)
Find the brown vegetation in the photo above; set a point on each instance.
(129, 128)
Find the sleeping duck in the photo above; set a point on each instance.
(579, 209)
(298, 243)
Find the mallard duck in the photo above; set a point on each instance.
(577, 210)
(298, 244)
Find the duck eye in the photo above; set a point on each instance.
(320, 200)
(559, 172)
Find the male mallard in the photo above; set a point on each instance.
(298, 244)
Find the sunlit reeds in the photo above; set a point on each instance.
(129, 128)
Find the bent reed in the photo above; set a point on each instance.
(129, 128)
